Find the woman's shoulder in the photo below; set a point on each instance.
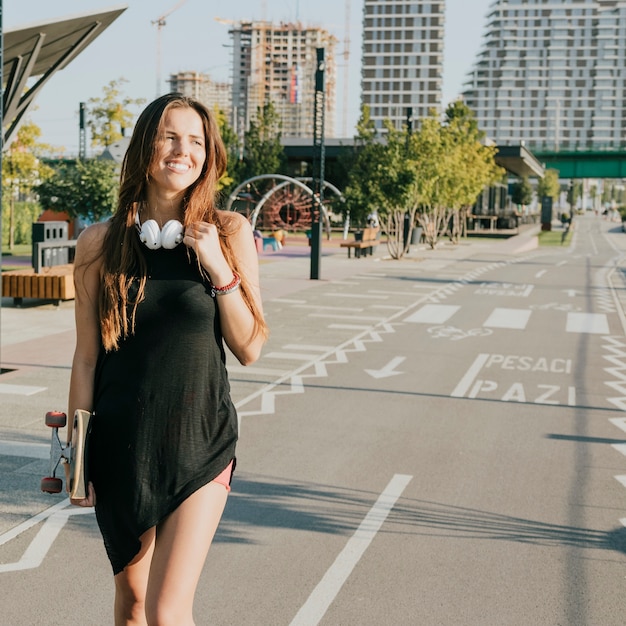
(234, 221)
(90, 240)
(94, 232)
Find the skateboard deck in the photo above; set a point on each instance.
(74, 454)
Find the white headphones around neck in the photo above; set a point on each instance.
(154, 237)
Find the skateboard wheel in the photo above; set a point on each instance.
(56, 419)
(50, 484)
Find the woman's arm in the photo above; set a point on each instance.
(87, 268)
(241, 334)
(243, 339)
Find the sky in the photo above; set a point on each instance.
(195, 38)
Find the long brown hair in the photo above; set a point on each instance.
(123, 261)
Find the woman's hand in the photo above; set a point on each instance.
(90, 500)
(204, 240)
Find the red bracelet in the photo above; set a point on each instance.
(232, 286)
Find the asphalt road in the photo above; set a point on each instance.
(435, 441)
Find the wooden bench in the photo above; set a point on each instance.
(365, 245)
(52, 283)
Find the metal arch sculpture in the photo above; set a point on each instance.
(276, 189)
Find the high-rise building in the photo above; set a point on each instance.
(402, 62)
(277, 63)
(200, 87)
(552, 73)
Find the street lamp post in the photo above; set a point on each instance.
(318, 166)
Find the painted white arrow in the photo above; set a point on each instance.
(388, 370)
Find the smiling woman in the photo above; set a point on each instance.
(160, 289)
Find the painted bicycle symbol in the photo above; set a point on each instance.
(455, 334)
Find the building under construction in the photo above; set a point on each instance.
(276, 63)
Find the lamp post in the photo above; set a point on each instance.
(318, 166)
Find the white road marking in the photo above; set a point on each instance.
(620, 447)
(387, 307)
(55, 518)
(349, 317)
(516, 319)
(387, 370)
(254, 371)
(462, 388)
(313, 610)
(294, 356)
(317, 307)
(587, 323)
(540, 273)
(433, 314)
(367, 296)
(348, 326)
(20, 390)
(310, 348)
(620, 422)
(394, 293)
(622, 479)
(288, 301)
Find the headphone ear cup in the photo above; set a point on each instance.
(150, 234)
(171, 234)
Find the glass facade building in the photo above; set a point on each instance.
(552, 73)
(402, 59)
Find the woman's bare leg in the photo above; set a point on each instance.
(131, 585)
(182, 543)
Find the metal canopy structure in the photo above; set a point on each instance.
(39, 51)
(519, 160)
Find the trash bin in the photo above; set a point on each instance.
(50, 232)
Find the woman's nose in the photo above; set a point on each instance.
(181, 147)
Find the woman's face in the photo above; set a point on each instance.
(180, 151)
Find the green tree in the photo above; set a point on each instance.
(548, 186)
(431, 173)
(522, 192)
(263, 152)
(231, 143)
(470, 165)
(86, 189)
(22, 170)
(109, 117)
(574, 192)
(361, 192)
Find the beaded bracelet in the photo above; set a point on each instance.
(232, 286)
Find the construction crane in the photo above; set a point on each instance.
(160, 23)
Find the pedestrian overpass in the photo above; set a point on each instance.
(585, 163)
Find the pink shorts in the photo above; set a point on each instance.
(226, 476)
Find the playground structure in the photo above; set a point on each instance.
(277, 202)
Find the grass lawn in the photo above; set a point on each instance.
(553, 238)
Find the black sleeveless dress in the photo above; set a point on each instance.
(164, 424)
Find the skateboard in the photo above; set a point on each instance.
(74, 453)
